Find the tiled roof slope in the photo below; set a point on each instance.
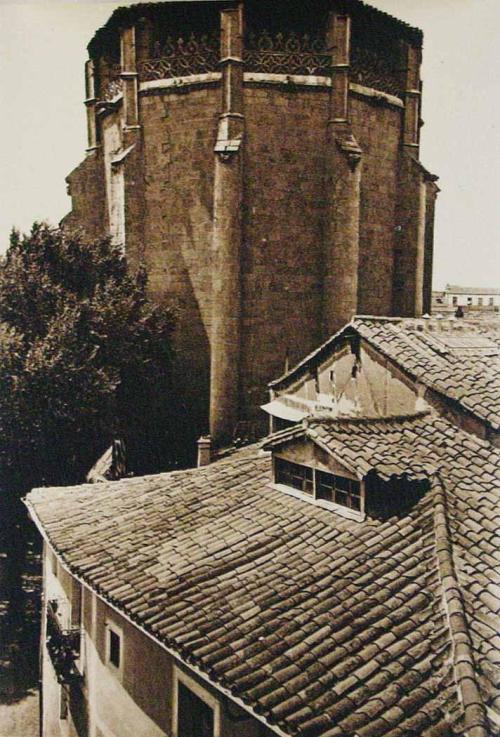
(460, 359)
(470, 471)
(385, 447)
(320, 625)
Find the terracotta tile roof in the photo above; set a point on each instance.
(131, 13)
(321, 625)
(460, 359)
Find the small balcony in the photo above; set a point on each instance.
(63, 646)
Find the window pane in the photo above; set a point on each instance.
(294, 475)
(325, 485)
(342, 483)
(356, 503)
(195, 718)
(342, 497)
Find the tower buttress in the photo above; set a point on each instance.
(341, 253)
(227, 235)
(409, 252)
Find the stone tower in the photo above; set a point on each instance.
(262, 160)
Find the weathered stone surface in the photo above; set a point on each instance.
(317, 242)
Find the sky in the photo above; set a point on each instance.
(43, 130)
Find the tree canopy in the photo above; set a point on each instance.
(85, 357)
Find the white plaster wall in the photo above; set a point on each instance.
(463, 300)
(375, 390)
(112, 712)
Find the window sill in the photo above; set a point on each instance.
(322, 503)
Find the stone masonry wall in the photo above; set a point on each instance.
(179, 133)
(87, 189)
(377, 128)
(168, 197)
(282, 252)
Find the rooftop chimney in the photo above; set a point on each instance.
(204, 450)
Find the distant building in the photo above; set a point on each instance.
(340, 579)
(262, 160)
(471, 299)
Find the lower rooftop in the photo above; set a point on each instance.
(320, 625)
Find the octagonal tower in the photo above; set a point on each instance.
(262, 160)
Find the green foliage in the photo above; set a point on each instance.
(85, 357)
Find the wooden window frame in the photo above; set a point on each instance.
(211, 701)
(111, 627)
(340, 509)
(307, 478)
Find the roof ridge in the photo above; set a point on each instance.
(328, 418)
(475, 716)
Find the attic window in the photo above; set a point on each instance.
(338, 489)
(329, 490)
(294, 475)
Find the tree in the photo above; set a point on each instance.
(85, 357)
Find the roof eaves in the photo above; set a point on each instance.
(125, 15)
(411, 33)
(283, 436)
(471, 290)
(121, 611)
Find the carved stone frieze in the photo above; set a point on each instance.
(111, 84)
(182, 58)
(286, 54)
(371, 69)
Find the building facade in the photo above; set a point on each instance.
(262, 161)
(470, 299)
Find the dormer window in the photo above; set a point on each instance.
(338, 489)
(343, 494)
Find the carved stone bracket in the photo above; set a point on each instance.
(227, 148)
(350, 148)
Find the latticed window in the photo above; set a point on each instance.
(338, 489)
(294, 475)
